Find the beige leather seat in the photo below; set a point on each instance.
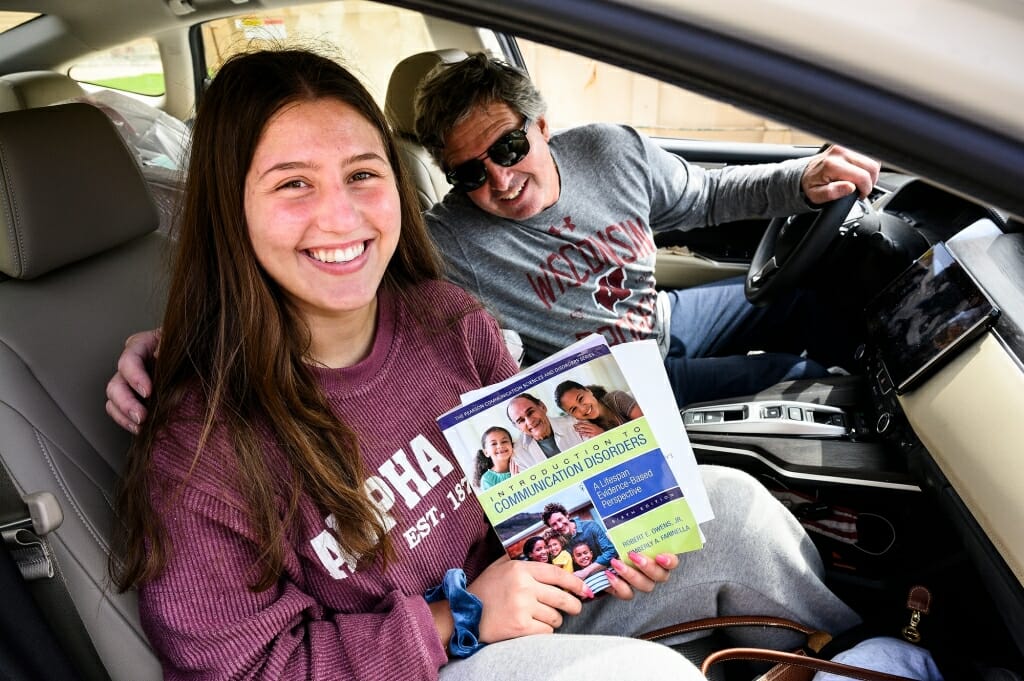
(31, 89)
(406, 76)
(36, 88)
(8, 98)
(81, 268)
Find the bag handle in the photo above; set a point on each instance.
(796, 660)
(815, 639)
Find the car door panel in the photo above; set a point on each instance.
(698, 256)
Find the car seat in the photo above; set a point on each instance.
(431, 184)
(81, 268)
(8, 97)
(39, 88)
(158, 139)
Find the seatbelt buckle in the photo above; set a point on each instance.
(44, 515)
(24, 535)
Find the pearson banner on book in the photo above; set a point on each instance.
(529, 461)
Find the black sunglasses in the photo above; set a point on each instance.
(510, 149)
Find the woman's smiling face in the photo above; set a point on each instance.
(322, 207)
(580, 404)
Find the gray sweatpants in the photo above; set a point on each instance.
(757, 560)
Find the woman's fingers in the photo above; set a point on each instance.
(618, 587)
(636, 579)
(562, 600)
(549, 618)
(131, 383)
(525, 597)
(123, 404)
(120, 418)
(646, 571)
(566, 584)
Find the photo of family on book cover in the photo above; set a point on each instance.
(574, 464)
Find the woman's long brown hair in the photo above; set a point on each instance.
(229, 333)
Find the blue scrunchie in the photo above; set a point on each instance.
(466, 610)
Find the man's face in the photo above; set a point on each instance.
(561, 524)
(530, 418)
(517, 192)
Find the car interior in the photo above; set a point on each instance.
(903, 467)
(94, 254)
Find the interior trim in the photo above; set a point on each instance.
(675, 269)
(968, 416)
(809, 477)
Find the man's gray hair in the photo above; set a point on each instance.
(450, 92)
(527, 396)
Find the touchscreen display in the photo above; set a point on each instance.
(919, 319)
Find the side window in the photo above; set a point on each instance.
(367, 37)
(581, 90)
(133, 67)
(9, 20)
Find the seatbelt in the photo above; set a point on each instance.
(24, 524)
(28, 648)
(41, 514)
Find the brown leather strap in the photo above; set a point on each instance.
(788, 672)
(721, 622)
(801, 661)
(919, 598)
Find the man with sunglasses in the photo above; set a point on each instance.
(555, 233)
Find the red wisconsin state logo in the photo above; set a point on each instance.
(611, 289)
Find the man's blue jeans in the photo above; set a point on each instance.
(713, 327)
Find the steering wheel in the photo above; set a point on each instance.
(790, 247)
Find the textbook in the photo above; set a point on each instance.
(581, 458)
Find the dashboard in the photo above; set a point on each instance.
(935, 410)
(920, 320)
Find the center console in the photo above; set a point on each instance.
(851, 430)
(768, 417)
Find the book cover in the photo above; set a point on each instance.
(567, 459)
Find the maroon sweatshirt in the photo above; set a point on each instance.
(324, 619)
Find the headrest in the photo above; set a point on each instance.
(69, 188)
(8, 97)
(42, 88)
(405, 78)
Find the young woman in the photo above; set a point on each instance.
(494, 457)
(289, 509)
(536, 549)
(601, 409)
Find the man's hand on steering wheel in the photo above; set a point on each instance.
(790, 247)
(835, 172)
